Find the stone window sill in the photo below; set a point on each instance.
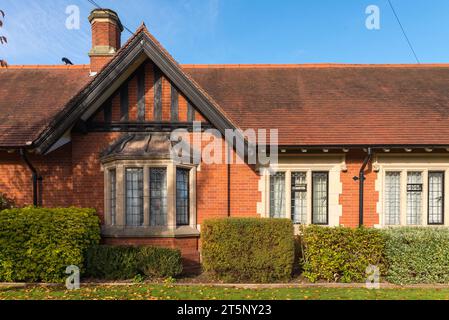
(148, 232)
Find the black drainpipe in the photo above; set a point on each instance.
(35, 177)
(361, 179)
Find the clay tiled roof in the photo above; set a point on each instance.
(321, 105)
(30, 96)
(325, 105)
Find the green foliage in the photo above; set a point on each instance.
(6, 202)
(248, 249)
(37, 244)
(340, 254)
(126, 262)
(417, 255)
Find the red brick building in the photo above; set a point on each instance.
(98, 136)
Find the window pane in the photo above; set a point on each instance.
(392, 198)
(277, 195)
(134, 196)
(414, 198)
(158, 196)
(112, 195)
(299, 197)
(436, 197)
(319, 197)
(182, 197)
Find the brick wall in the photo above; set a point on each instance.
(72, 176)
(349, 198)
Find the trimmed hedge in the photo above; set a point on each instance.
(417, 255)
(340, 254)
(126, 262)
(248, 249)
(37, 244)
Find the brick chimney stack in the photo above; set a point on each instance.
(106, 33)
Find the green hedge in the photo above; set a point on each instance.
(340, 254)
(417, 255)
(248, 249)
(38, 244)
(126, 262)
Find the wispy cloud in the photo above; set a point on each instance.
(37, 34)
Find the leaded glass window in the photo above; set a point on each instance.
(436, 197)
(113, 195)
(277, 195)
(392, 198)
(414, 198)
(320, 197)
(158, 196)
(134, 196)
(299, 197)
(182, 197)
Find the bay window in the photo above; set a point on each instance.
(149, 198)
(148, 192)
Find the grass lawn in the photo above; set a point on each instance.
(172, 292)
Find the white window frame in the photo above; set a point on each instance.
(333, 164)
(416, 163)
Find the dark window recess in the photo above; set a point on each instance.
(158, 197)
(134, 196)
(182, 197)
(108, 111)
(436, 198)
(414, 187)
(113, 195)
(320, 198)
(299, 197)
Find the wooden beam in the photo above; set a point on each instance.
(141, 93)
(157, 94)
(139, 126)
(174, 110)
(190, 112)
(124, 102)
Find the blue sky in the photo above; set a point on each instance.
(238, 31)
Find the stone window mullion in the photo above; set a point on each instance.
(120, 214)
(171, 196)
(192, 195)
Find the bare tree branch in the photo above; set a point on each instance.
(3, 39)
